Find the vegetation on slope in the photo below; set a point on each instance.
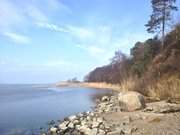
(150, 69)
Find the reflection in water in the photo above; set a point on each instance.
(26, 108)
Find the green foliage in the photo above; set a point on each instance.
(142, 55)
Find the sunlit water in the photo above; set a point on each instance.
(26, 108)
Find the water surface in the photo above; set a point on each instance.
(26, 108)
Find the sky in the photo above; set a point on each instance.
(46, 41)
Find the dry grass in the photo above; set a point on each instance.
(101, 85)
(166, 87)
(129, 84)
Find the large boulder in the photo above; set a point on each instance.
(131, 101)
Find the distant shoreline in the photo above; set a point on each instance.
(90, 85)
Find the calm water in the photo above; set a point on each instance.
(26, 108)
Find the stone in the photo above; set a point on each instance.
(53, 130)
(76, 122)
(63, 125)
(101, 132)
(95, 124)
(80, 115)
(131, 101)
(88, 118)
(85, 130)
(91, 114)
(94, 131)
(114, 133)
(73, 117)
(105, 98)
(100, 120)
(101, 126)
(83, 122)
(71, 125)
(78, 127)
(162, 107)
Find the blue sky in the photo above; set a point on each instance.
(45, 41)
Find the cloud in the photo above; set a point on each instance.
(58, 5)
(80, 32)
(19, 15)
(10, 15)
(22, 14)
(35, 13)
(100, 41)
(17, 38)
(51, 27)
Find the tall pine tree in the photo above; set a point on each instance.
(160, 17)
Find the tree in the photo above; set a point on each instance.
(160, 17)
(142, 55)
(118, 57)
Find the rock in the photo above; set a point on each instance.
(63, 125)
(162, 107)
(94, 131)
(78, 127)
(101, 132)
(99, 120)
(73, 117)
(88, 118)
(131, 101)
(114, 133)
(53, 130)
(80, 115)
(85, 130)
(76, 122)
(105, 98)
(91, 114)
(95, 124)
(71, 125)
(101, 127)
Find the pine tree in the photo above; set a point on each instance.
(161, 15)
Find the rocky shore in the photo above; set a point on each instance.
(123, 114)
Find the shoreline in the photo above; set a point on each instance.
(109, 118)
(101, 86)
(90, 85)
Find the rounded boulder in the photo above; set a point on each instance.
(131, 101)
